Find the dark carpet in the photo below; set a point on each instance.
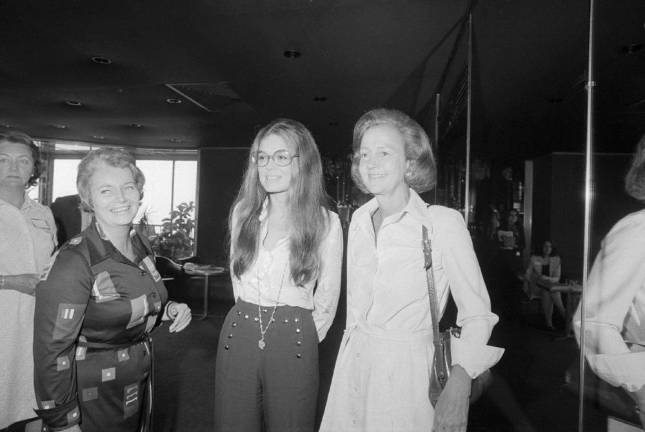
(527, 393)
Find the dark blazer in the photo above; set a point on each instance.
(67, 214)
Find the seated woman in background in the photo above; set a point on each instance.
(615, 298)
(96, 308)
(284, 242)
(545, 269)
(27, 240)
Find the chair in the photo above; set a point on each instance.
(167, 268)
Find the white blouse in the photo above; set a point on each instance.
(615, 306)
(268, 281)
(386, 281)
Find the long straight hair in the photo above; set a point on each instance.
(308, 205)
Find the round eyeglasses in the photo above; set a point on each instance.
(280, 158)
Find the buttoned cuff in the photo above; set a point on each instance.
(620, 370)
(59, 417)
(474, 358)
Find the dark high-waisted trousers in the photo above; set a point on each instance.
(276, 386)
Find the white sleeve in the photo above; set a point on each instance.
(328, 284)
(471, 297)
(614, 287)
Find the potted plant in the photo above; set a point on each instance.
(176, 238)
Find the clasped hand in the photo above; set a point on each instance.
(179, 314)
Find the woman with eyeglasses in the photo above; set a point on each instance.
(284, 242)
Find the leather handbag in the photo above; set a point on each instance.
(442, 361)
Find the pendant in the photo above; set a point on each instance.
(261, 344)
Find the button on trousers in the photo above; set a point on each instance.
(275, 387)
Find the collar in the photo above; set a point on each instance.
(26, 205)
(101, 248)
(415, 208)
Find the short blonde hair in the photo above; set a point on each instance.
(421, 175)
(110, 156)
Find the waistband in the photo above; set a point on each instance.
(145, 338)
(245, 306)
(395, 335)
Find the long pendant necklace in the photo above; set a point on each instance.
(263, 330)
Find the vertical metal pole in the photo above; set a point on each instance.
(591, 84)
(469, 118)
(437, 107)
(172, 197)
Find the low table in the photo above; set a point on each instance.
(203, 271)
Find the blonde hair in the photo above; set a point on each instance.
(110, 156)
(422, 172)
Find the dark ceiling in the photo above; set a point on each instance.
(226, 62)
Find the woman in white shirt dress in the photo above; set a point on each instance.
(382, 372)
(284, 242)
(27, 240)
(615, 298)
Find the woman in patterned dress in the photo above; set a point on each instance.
(96, 308)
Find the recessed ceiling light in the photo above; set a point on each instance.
(98, 137)
(136, 125)
(73, 103)
(173, 101)
(176, 140)
(333, 123)
(101, 60)
(60, 126)
(320, 98)
(5, 125)
(292, 54)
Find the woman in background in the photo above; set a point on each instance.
(27, 240)
(382, 373)
(615, 298)
(96, 308)
(284, 242)
(545, 269)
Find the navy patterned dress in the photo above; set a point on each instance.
(92, 354)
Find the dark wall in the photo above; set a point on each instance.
(220, 176)
(558, 203)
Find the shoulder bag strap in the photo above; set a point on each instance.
(432, 293)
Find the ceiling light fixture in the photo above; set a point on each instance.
(173, 101)
(73, 103)
(176, 140)
(320, 98)
(60, 126)
(101, 60)
(292, 54)
(136, 125)
(98, 137)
